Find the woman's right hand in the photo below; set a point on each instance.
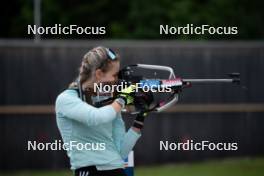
(127, 94)
(125, 97)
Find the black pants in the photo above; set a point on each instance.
(92, 171)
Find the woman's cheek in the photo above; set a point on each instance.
(109, 78)
(112, 79)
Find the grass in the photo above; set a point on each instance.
(227, 167)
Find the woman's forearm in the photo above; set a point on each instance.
(117, 107)
(138, 130)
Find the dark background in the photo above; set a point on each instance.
(135, 19)
(34, 74)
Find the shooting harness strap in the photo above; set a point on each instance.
(86, 96)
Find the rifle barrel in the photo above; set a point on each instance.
(206, 81)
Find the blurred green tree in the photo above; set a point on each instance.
(136, 19)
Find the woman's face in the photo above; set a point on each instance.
(111, 75)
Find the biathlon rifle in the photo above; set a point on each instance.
(177, 84)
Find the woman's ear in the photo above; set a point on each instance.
(98, 74)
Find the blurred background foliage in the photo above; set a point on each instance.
(136, 19)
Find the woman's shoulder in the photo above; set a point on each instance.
(68, 92)
(66, 95)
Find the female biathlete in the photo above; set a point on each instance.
(95, 137)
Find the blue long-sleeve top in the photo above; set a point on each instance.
(103, 128)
